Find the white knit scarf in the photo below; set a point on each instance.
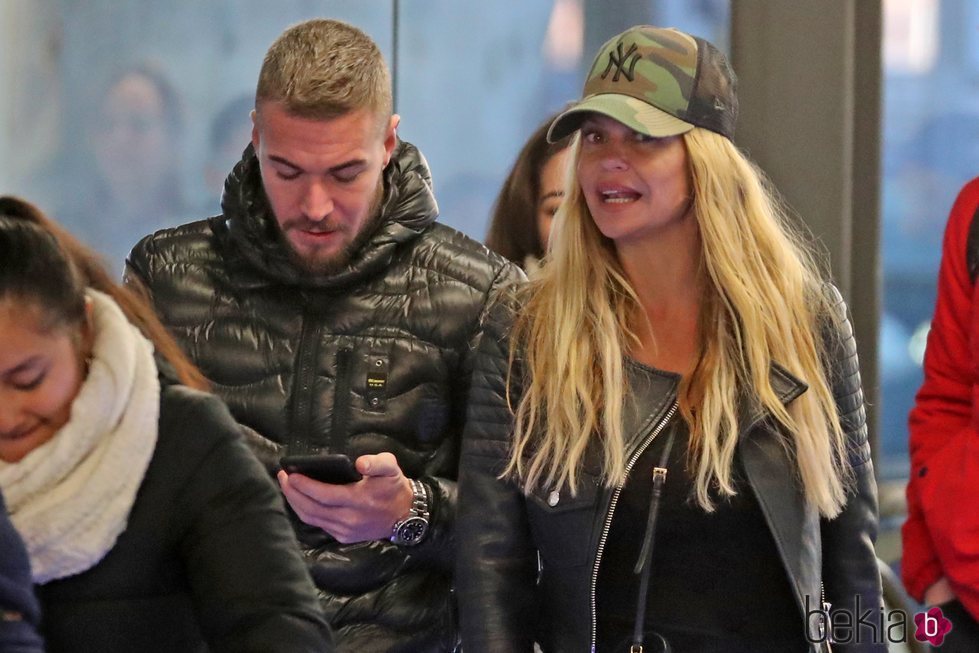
(71, 497)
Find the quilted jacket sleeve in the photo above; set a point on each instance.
(439, 547)
(496, 567)
(849, 561)
(943, 406)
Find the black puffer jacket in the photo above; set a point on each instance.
(292, 354)
(507, 600)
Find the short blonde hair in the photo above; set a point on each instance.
(322, 69)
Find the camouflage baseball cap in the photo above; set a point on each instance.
(659, 82)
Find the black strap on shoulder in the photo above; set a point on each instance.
(645, 561)
(972, 247)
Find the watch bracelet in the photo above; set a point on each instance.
(419, 499)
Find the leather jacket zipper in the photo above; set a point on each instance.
(611, 511)
(824, 628)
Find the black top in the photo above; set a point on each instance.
(716, 584)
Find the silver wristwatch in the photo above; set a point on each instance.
(412, 528)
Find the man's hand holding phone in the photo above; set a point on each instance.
(355, 511)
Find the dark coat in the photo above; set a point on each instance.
(207, 555)
(19, 611)
(375, 357)
(502, 530)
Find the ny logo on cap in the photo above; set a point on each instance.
(620, 61)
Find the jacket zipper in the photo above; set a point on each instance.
(341, 399)
(302, 402)
(827, 643)
(611, 511)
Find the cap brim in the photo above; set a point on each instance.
(634, 114)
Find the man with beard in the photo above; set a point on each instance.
(333, 314)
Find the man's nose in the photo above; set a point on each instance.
(317, 201)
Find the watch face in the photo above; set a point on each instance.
(412, 530)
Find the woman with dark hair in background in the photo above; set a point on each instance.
(666, 446)
(149, 524)
(531, 194)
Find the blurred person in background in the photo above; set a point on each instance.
(149, 524)
(530, 196)
(130, 178)
(230, 133)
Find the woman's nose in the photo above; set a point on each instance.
(614, 156)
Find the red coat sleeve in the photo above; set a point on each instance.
(943, 405)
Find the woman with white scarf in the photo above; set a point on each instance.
(148, 523)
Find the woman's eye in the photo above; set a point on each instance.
(591, 136)
(287, 176)
(31, 384)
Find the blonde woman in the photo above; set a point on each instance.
(666, 446)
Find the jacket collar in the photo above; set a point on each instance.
(408, 207)
(654, 392)
(785, 385)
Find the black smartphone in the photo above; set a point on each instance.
(335, 468)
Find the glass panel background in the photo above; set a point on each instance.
(473, 79)
(930, 149)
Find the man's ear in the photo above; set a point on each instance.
(391, 137)
(255, 137)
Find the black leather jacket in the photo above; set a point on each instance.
(292, 356)
(503, 605)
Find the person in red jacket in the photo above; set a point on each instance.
(940, 563)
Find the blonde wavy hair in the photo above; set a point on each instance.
(763, 303)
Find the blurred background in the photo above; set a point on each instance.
(122, 117)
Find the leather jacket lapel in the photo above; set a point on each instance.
(793, 522)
